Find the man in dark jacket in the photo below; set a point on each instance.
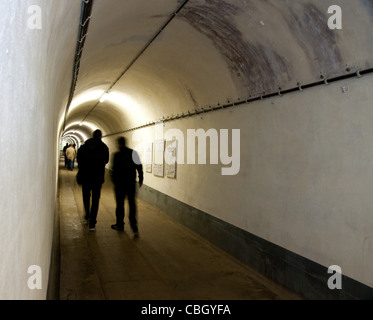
(64, 154)
(92, 158)
(126, 163)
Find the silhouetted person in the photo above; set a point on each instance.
(70, 154)
(76, 152)
(126, 163)
(92, 158)
(64, 154)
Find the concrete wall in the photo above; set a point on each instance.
(35, 79)
(305, 177)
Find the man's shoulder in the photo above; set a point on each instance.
(106, 147)
(123, 154)
(95, 143)
(117, 154)
(89, 141)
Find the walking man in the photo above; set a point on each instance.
(126, 163)
(70, 154)
(64, 153)
(92, 158)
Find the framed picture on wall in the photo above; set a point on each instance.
(158, 166)
(170, 158)
(149, 157)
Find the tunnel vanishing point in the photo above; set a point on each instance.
(294, 92)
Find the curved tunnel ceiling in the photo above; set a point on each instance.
(210, 52)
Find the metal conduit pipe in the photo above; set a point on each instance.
(172, 16)
(280, 93)
(85, 17)
(147, 45)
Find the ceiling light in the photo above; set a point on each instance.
(104, 97)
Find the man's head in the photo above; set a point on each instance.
(121, 142)
(97, 134)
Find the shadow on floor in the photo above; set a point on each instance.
(167, 262)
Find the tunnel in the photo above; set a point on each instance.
(267, 104)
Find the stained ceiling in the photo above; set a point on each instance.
(165, 58)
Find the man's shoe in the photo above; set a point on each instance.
(92, 229)
(116, 227)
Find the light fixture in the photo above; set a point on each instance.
(86, 97)
(104, 97)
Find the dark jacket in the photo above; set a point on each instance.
(126, 163)
(92, 158)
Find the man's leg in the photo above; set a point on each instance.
(119, 212)
(133, 210)
(96, 193)
(86, 190)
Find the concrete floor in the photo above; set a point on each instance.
(167, 262)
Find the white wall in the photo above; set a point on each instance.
(306, 175)
(35, 81)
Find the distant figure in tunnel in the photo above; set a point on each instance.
(92, 158)
(70, 155)
(64, 154)
(126, 163)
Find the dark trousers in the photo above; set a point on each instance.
(94, 190)
(70, 164)
(121, 193)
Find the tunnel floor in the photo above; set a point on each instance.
(166, 262)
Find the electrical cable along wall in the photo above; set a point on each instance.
(85, 17)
